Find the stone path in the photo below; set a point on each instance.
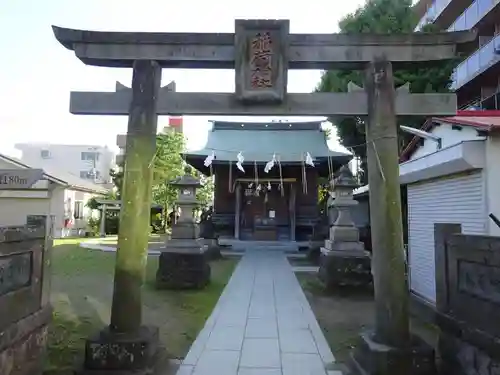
(262, 325)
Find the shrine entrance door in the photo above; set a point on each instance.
(265, 212)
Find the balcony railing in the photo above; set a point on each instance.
(466, 21)
(433, 12)
(491, 103)
(472, 15)
(482, 59)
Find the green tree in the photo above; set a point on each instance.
(383, 16)
(117, 179)
(168, 165)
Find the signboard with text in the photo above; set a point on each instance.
(19, 178)
(261, 60)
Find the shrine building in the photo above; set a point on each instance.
(266, 178)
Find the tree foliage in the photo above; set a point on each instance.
(168, 164)
(117, 179)
(383, 16)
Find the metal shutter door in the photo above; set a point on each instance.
(455, 199)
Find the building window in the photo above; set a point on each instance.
(45, 154)
(90, 156)
(78, 212)
(90, 175)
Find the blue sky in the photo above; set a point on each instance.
(37, 74)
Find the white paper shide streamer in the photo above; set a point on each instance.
(270, 164)
(209, 159)
(239, 163)
(309, 159)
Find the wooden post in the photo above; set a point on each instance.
(102, 226)
(237, 211)
(131, 255)
(388, 265)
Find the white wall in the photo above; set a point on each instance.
(448, 136)
(70, 200)
(43, 198)
(16, 205)
(68, 158)
(493, 181)
(491, 171)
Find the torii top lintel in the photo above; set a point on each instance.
(218, 50)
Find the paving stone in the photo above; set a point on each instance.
(261, 311)
(302, 364)
(291, 322)
(259, 371)
(261, 353)
(297, 341)
(226, 338)
(262, 325)
(220, 362)
(185, 370)
(197, 347)
(262, 328)
(230, 320)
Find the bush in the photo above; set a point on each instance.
(93, 226)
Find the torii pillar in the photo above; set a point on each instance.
(390, 348)
(134, 345)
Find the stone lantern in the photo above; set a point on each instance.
(344, 260)
(183, 262)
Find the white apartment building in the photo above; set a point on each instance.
(88, 162)
(476, 79)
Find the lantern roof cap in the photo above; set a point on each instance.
(186, 180)
(345, 178)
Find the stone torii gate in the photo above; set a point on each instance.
(261, 52)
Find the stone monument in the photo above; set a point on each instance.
(183, 263)
(344, 261)
(25, 311)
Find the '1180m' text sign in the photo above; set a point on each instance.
(19, 178)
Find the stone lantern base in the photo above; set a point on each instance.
(212, 248)
(344, 264)
(373, 358)
(110, 352)
(183, 265)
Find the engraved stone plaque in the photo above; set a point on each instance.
(261, 60)
(479, 280)
(15, 272)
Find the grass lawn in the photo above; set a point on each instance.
(82, 285)
(343, 316)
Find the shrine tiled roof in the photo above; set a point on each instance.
(259, 141)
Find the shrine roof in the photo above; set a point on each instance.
(259, 141)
